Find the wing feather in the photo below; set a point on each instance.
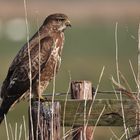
(17, 80)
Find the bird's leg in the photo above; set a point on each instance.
(37, 91)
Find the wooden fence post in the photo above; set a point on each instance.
(82, 90)
(42, 129)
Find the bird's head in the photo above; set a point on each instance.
(57, 22)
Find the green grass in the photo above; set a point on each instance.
(87, 49)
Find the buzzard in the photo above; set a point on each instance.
(38, 68)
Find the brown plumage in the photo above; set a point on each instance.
(49, 40)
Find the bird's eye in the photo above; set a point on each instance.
(60, 20)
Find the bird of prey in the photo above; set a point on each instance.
(37, 69)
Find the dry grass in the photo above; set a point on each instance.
(118, 77)
(17, 135)
(30, 66)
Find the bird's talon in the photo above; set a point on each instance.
(41, 98)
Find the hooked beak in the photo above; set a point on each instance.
(67, 23)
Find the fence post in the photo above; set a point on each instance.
(42, 127)
(82, 90)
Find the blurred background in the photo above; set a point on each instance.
(89, 44)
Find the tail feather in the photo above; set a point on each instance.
(6, 105)
(1, 115)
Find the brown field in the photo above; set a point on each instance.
(104, 10)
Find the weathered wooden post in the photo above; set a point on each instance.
(44, 125)
(82, 90)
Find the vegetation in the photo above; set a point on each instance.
(87, 49)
